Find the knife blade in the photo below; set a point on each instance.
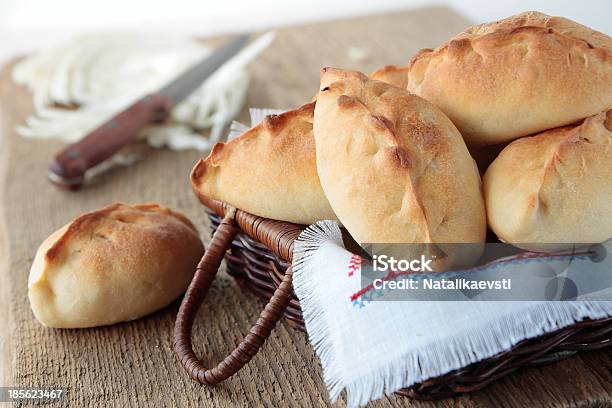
(70, 167)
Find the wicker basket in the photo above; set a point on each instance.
(259, 260)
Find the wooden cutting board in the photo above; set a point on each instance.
(132, 364)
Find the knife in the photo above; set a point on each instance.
(69, 168)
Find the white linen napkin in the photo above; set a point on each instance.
(372, 348)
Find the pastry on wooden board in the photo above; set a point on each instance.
(112, 265)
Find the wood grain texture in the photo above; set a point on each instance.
(132, 364)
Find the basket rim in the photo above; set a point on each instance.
(277, 236)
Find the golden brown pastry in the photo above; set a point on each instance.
(393, 75)
(113, 265)
(514, 77)
(393, 166)
(268, 171)
(555, 187)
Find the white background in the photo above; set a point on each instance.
(26, 25)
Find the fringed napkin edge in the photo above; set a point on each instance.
(416, 365)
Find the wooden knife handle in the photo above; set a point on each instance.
(68, 168)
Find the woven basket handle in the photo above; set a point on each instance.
(198, 288)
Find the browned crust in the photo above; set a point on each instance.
(90, 220)
(329, 75)
(408, 137)
(504, 31)
(393, 75)
(419, 54)
(275, 123)
(539, 185)
(383, 123)
(347, 102)
(515, 77)
(571, 138)
(271, 123)
(531, 22)
(572, 134)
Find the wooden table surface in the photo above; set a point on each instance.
(132, 364)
